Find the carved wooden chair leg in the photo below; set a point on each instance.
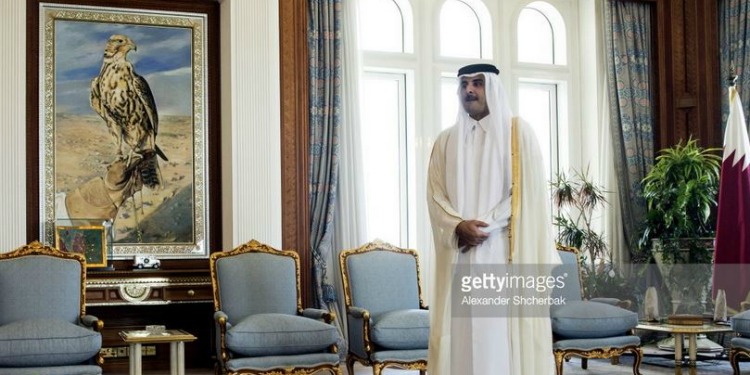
(734, 360)
(559, 358)
(637, 358)
(350, 365)
(377, 368)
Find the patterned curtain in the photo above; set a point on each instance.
(734, 35)
(324, 42)
(628, 52)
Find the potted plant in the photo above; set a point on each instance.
(681, 193)
(576, 201)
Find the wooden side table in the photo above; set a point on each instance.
(176, 339)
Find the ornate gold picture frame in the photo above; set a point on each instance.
(88, 240)
(124, 124)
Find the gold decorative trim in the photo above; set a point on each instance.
(515, 187)
(336, 370)
(378, 367)
(601, 353)
(154, 282)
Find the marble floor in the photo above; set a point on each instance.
(650, 366)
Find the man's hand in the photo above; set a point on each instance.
(470, 234)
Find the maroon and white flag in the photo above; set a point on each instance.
(732, 254)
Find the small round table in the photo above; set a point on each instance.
(691, 331)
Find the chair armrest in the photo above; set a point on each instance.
(359, 313)
(222, 325)
(327, 316)
(358, 324)
(222, 319)
(92, 322)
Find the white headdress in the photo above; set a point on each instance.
(494, 187)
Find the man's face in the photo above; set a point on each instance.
(473, 97)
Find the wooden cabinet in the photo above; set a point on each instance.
(177, 299)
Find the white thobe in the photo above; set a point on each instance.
(474, 343)
(500, 346)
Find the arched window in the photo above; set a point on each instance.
(408, 93)
(386, 26)
(465, 29)
(541, 35)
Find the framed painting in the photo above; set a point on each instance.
(88, 240)
(124, 125)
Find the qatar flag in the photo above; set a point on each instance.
(732, 255)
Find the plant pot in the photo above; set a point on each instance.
(688, 284)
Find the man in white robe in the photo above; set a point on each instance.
(487, 205)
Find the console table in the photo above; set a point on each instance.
(144, 287)
(130, 300)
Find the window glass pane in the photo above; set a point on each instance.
(460, 34)
(381, 152)
(537, 104)
(448, 101)
(535, 37)
(381, 26)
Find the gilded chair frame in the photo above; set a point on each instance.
(256, 247)
(613, 354)
(377, 367)
(734, 358)
(36, 248)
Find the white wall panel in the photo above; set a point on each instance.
(251, 151)
(12, 125)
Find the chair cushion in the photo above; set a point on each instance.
(401, 329)
(46, 342)
(280, 334)
(741, 323)
(586, 319)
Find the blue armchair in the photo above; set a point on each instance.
(589, 329)
(260, 324)
(44, 328)
(388, 322)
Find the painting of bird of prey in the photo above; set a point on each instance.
(125, 102)
(125, 134)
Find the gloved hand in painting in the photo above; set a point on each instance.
(102, 197)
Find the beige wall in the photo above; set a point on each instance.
(250, 151)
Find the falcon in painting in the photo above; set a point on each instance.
(124, 100)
